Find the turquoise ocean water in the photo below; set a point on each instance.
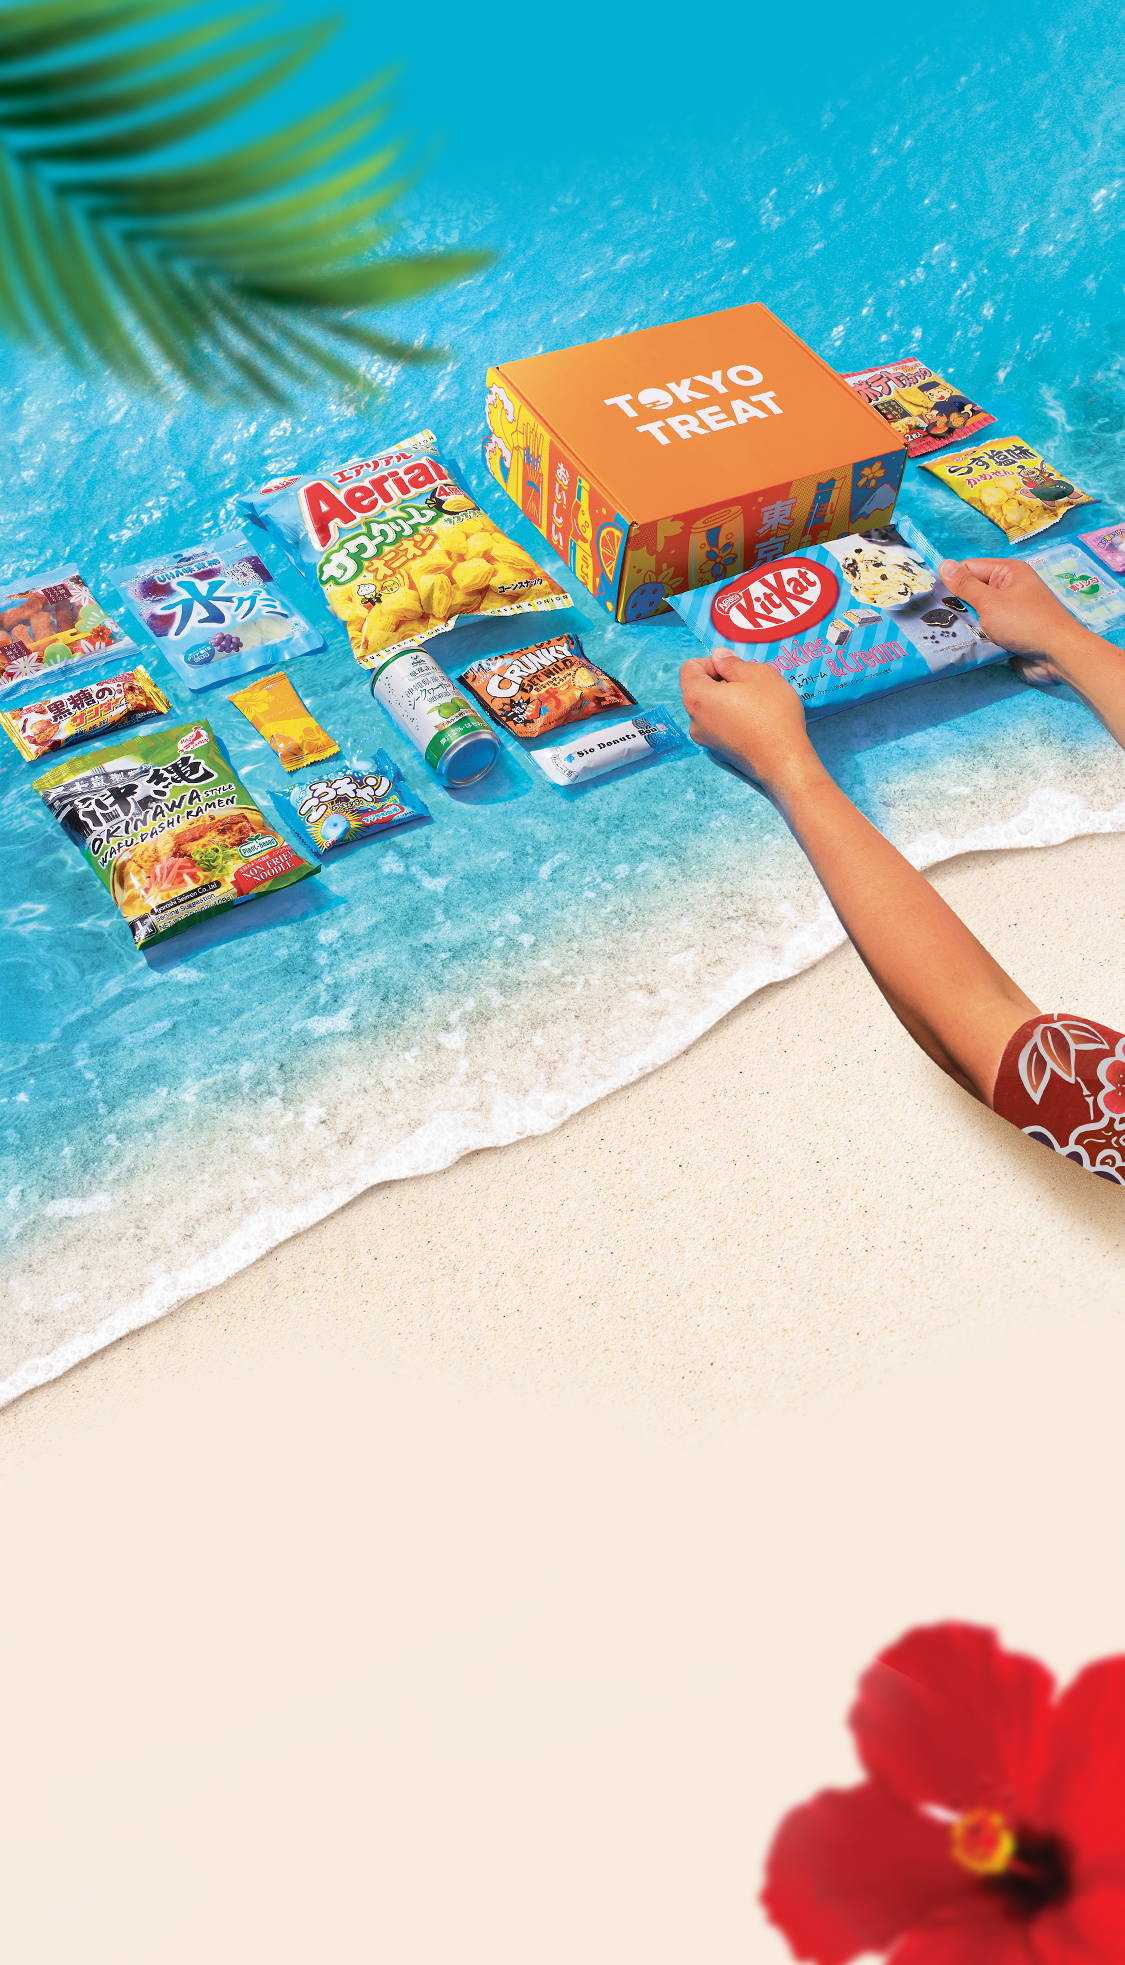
(952, 187)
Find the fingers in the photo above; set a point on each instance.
(962, 579)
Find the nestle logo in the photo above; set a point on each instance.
(774, 601)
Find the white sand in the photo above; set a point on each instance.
(482, 1573)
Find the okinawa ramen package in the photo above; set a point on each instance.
(169, 829)
(53, 623)
(1108, 544)
(399, 550)
(1080, 585)
(215, 610)
(362, 799)
(125, 699)
(919, 404)
(539, 689)
(1011, 484)
(273, 706)
(800, 614)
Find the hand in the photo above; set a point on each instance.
(749, 714)
(1016, 610)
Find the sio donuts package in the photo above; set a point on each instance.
(845, 622)
(399, 551)
(169, 829)
(52, 624)
(1011, 484)
(215, 610)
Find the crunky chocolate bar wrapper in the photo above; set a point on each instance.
(538, 689)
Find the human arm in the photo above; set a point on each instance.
(944, 988)
(1021, 614)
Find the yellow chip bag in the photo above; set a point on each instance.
(400, 551)
(1010, 483)
(273, 706)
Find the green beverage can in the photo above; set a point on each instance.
(427, 707)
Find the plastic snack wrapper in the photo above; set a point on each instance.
(1011, 484)
(643, 737)
(399, 550)
(125, 699)
(52, 624)
(273, 706)
(539, 689)
(800, 613)
(361, 798)
(169, 829)
(215, 610)
(1108, 544)
(1080, 584)
(919, 404)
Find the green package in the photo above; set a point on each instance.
(169, 828)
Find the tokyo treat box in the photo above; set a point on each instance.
(676, 456)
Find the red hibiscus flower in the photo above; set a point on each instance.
(1112, 1100)
(992, 1828)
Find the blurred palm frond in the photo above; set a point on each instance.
(239, 272)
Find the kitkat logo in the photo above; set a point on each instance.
(329, 510)
(772, 601)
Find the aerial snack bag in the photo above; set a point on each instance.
(52, 622)
(538, 689)
(273, 706)
(1011, 484)
(920, 405)
(169, 829)
(1108, 544)
(37, 728)
(215, 610)
(1081, 585)
(364, 798)
(844, 622)
(399, 550)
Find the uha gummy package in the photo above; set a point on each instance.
(215, 610)
(399, 550)
(169, 829)
(1011, 484)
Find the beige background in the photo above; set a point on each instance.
(482, 1574)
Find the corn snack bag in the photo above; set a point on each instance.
(169, 829)
(129, 698)
(1108, 544)
(1080, 584)
(360, 799)
(399, 550)
(273, 706)
(53, 623)
(921, 405)
(1011, 484)
(539, 689)
(215, 610)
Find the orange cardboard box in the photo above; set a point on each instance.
(672, 457)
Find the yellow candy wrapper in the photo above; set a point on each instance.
(273, 706)
(1011, 484)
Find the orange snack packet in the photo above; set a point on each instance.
(273, 706)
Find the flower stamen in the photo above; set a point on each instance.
(982, 1842)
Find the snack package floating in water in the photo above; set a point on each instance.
(53, 623)
(169, 829)
(799, 614)
(273, 706)
(361, 799)
(539, 689)
(400, 551)
(1080, 585)
(215, 610)
(920, 405)
(427, 707)
(1011, 484)
(1108, 544)
(125, 699)
(643, 737)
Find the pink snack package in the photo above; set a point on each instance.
(1108, 545)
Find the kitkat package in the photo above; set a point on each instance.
(400, 552)
(215, 610)
(674, 456)
(844, 622)
(920, 405)
(169, 829)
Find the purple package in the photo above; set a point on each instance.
(1108, 545)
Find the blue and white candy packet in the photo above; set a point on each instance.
(352, 798)
(846, 621)
(593, 752)
(214, 610)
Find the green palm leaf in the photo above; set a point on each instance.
(240, 273)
